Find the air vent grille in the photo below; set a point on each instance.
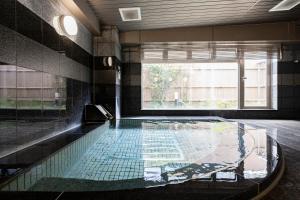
(130, 14)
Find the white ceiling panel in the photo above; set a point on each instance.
(180, 13)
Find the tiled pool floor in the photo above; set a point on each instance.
(160, 149)
(146, 153)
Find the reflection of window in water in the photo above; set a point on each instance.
(253, 167)
(226, 175)
(24, 88)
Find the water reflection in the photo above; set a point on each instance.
(31, 103)
(255, 166)
(154, 153)
(30, 89)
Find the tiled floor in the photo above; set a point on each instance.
(287, 133)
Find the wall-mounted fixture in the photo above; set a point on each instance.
(119, 68)
(107, 61)
(119, 72)
(285, 5)
(130, 14)
(65, 25)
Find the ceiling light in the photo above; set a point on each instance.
(285, 5)
(65, 25)
(130, 14)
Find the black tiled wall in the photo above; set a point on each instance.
(289, 89)
(107, 85)
(29, 45)
(106, 79)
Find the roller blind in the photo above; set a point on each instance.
(153, 54)
(217, 53)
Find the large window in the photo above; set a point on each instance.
(190, 85)
(229, 81)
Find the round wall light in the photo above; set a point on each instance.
(65, 25)
(108, 61)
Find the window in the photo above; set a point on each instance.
(255, 79)
(190, 86)
(217, 81)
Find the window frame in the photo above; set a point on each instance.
(241, 72)
(241, 99)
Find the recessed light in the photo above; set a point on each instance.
(285, 5)
(130, 14)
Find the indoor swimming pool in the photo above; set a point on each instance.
(146, 154)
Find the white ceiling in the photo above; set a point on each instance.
(179, 13)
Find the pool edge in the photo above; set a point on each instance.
(274, 183)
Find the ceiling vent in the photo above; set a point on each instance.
(285, 5)
(130, 14)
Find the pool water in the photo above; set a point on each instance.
(127, 154)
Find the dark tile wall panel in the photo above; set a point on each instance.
(44, 79)
(107, 88)
(8, 45)
(8, 13)
(105, 94)
(289, 82)
(29, 53)
(50, 37)
(28, 23)
(48, 9)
